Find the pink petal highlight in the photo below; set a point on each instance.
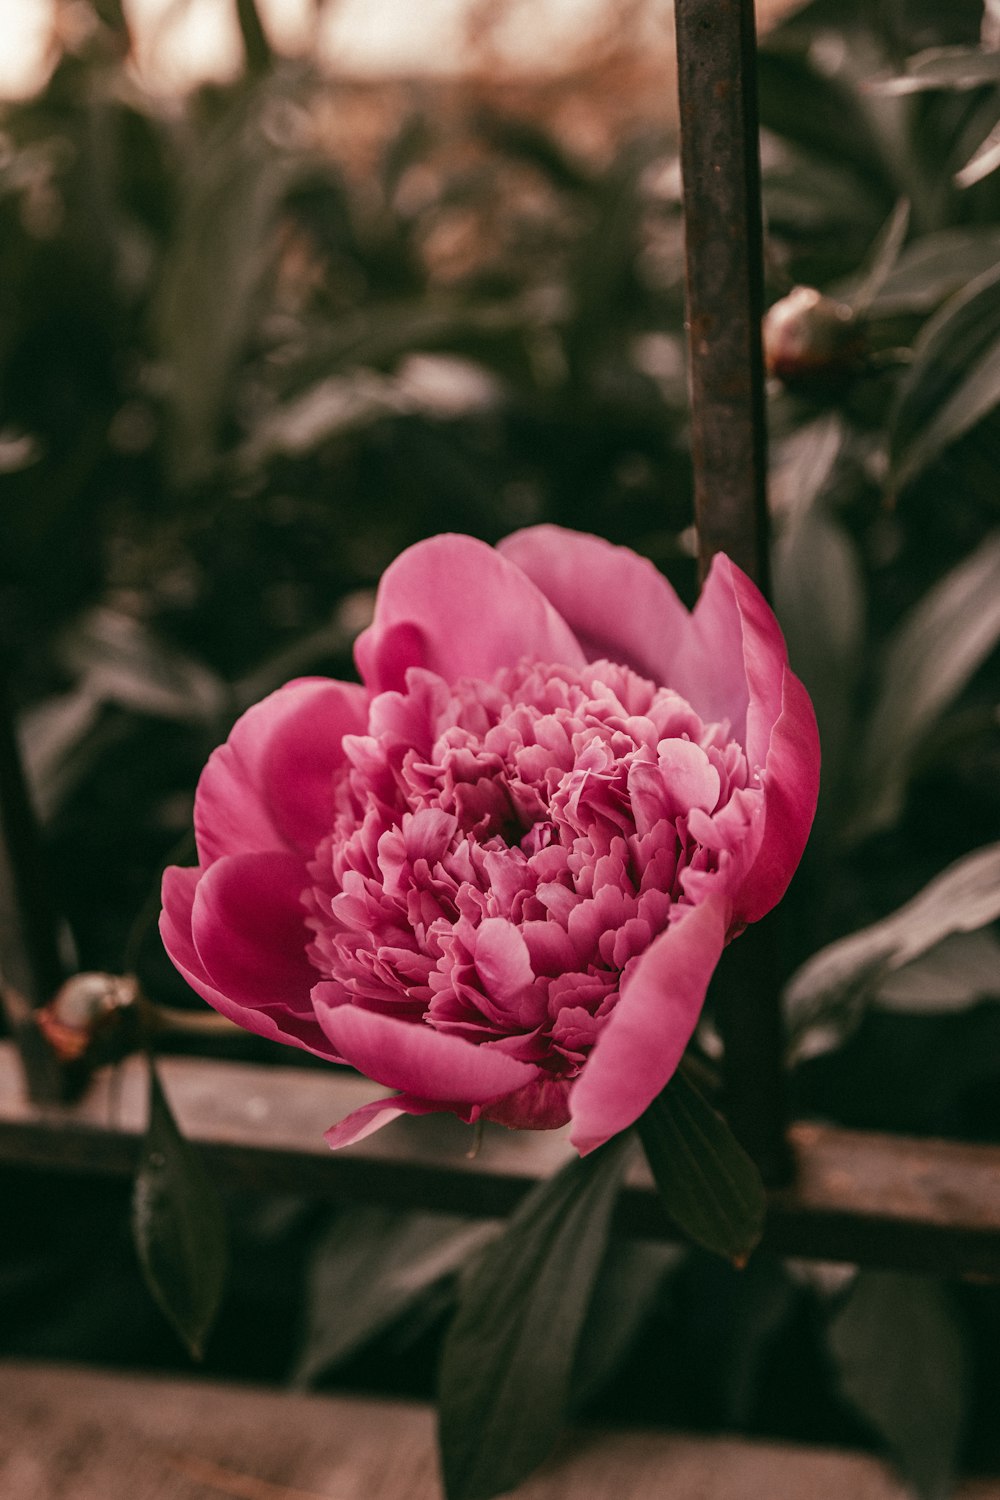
(616, 603)
(364, 1121)
(248, 927)
(456, 606)
(277, 1024)
(638, 1051)
(270, 785)
(791, 787)
(413, 1057)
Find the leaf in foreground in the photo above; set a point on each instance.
(826, 998)
(929, 659)
(369, 1269)
(508, 1357)
(178, 1226)
(709, 1186)
(901, 1362)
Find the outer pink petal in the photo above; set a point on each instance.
(640, 1047)
(368, 1118)
(617, 604)
(457, 607)
(249, 931)
(791, 787)
(726, 658)
(733, 658)
(269, 785)
(278, 1024)
(412, 1056)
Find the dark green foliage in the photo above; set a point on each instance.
(240, 371)
(709, 1186)
(179, 1229)
(508, 1357)
(901, 1360)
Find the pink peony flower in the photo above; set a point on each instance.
(498, 876)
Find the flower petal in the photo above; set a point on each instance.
(455, 606)
(368, 1118)
(275, 1023)
(269, 785)
(726, 658)
(617, 604)
(249, 931)
(791, 786)
(732, 659)
(638, 1051)
(412, 1056)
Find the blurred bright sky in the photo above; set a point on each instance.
(181, 41)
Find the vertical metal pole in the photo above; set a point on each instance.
(720, 167)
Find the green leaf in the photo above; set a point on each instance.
(178, 1226)
(942, 68)
(508, 1357)
(962, 971)
(901, 1361)
(953, 382)
(935, 267)
(710, 1187)
(825, 999)
(368, 1269)
(984, 160)
(927, 662)
(819, 599)
(211, 286)
(629, 1290)
(883, 256)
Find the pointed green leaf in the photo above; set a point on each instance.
(710, 1187)
(929, 659)
(935, 267)
(953, 382)
(178, 1226)
(369, 1268)
(984, 160)
(883, 256)
(508, 1357)
(942, 68)
(962, 971)
(901, 1361)
(825, 999)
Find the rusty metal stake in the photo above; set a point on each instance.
(720, 167)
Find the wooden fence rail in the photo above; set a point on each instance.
(887, 1201)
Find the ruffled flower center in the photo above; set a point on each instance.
(503, 850)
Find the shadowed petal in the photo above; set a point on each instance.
(269, 785)
(412, 1056)
(791, 787)
(637, 1052)
(275, 1023)
(368, 1118)
(616, 603)
(726, 658)
(249, 931)
(455, 606)
(731, 661)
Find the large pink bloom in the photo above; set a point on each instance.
(498, 876)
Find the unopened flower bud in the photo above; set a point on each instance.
(91, 1019)
(812, 341)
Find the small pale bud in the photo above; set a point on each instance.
(811, 340)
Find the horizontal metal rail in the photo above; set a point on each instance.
(886, 1201)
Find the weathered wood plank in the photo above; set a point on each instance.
(882, 1200)
(69, 1434)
